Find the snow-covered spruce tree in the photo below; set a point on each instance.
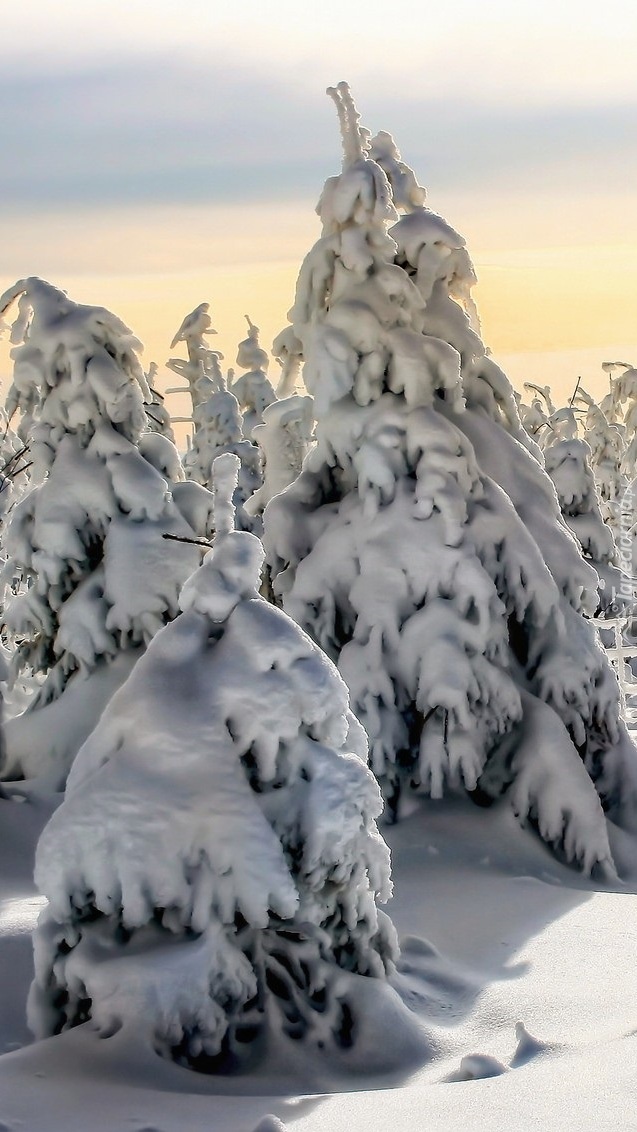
(252, 389)
(535, 417)
(622, 394)
(607, 443)
(629, 459)
(87, 538)
(217, 421)
(214, 870)
(567, 459)
(422, 544)
(612, 434)
(219, 429)
(532, 417)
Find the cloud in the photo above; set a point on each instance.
(163, 131)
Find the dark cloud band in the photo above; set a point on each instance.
(167, 132)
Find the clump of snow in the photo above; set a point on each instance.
(270, 1123)
(287, 349)
(162, 453)
(527, 1048)
(406, 192)
(284, 439)
(477, 1067)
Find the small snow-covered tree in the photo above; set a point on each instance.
(157, 414)
(87, 538)
(216, 417)
(611, 431)
(214, 870)
(252, 389)
(288, 351)
(622, 393)
(422, 544)
(284, 437)
(532, 417)
(568, 462)
(567, 459)
(219, 429)
(200, 369)
(607, 445)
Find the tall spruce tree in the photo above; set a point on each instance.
(422, 544)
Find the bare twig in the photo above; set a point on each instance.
(12, 475)
(202, 542)
(14, 457)
(570, 404)
(17, 471)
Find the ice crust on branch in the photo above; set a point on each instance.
(422, 544)
(214, 871)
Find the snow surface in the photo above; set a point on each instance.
(522, 972)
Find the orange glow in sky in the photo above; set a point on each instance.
(548, 313)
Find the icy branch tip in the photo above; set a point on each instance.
(355, 138)
(195, 324)
(610, 367)
(225, 476)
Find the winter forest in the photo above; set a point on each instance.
(318, 762)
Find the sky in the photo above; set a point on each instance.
(160, 154)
